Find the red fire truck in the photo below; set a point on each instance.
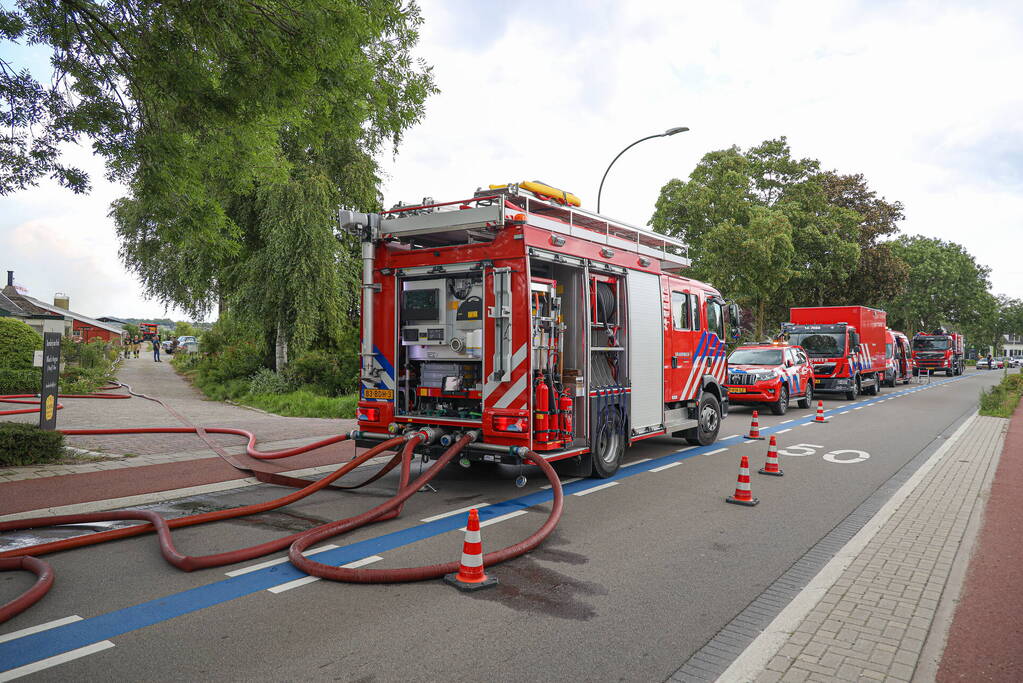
(899, 357)
(939, 350)
(149, 330)
(846, 345)
(536, 325)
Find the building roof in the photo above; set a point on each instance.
(110, 327)
(112, 319)
(8, 306)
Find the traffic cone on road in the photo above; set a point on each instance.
(820, 412)
(754, 427)
(772, 460)
(743, 495)
(470, 576)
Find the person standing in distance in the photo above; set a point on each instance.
(156, 348)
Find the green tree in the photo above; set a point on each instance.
(740, 254)
(733, 193)
(184, 329)
(216, 116)
(879, 274)
(946, 286)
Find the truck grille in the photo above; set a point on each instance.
(824, 368)
(742, 379)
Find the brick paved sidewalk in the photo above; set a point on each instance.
(871, 624)
(160, 381)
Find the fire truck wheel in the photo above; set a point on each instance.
(807, 400)
(781, 406)
(607, 448)
(709, 416)
(855, 391)
(875, 388)
(949, 372)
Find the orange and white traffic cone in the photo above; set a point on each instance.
(820, 413)
(772, 460)
(470, 576)
(743, 495)
(754, 427)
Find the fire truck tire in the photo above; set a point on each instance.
(608, 448)
(781, 406)
(708, 414)
(949, 372)
(855, 391)
(807, 399)
(875, 387)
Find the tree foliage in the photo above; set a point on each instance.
(841, 243)
(238, 127)
(946, 286)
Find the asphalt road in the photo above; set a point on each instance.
(638, 576)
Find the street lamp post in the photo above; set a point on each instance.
(670, 131)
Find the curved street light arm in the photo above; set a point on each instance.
(601, 188)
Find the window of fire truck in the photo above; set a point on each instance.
(715, 318)
(820, 343)
(681, 311)
(888, 351)
(755, 357)
(930, 344)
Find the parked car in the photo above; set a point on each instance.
(188, 343)
(770, 374)
(1012, 361)
(994, 364)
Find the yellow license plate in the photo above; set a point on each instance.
(818, 381)
(378, 393)
(736, 390)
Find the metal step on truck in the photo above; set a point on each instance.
(537, 325)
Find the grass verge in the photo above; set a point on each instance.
(1001, 399)
(303, 403)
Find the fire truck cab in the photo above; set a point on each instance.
(535, 325)
(938, 350)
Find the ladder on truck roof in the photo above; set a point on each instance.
(479, 218)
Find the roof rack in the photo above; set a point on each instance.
(479, 218)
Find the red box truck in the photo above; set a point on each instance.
(846, 345)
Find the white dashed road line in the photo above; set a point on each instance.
(564, 482)
(309, 579)
(55, 660)
(596, 488)
(279, 560)
(717, 451)
(499, 518)
(782, 431)
(664, 467)
(636, 462)
(449, 513)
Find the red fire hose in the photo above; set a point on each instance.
(24, 558)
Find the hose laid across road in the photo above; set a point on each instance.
(25, 558)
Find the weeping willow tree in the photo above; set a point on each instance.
(238, 129)
(296, 278)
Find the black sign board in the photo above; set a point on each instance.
(51, 375)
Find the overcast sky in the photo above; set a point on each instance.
(917, 96)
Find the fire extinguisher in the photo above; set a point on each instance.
(565, 406)
(541, 408)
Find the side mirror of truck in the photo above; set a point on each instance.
(789, 363)
(854, 340)
(733, 315)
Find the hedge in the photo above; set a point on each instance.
(25, 444)
(20, 381)
(17, 343)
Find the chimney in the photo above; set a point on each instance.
(10, 278)
(62, 300)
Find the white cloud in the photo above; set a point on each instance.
(916, 95)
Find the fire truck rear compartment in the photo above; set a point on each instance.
(441, 342)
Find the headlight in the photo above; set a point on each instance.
(762, 376)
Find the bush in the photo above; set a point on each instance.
(1001, 399)
(266, 381)
(94, 354)
(18, 341)
(20, 381)
(234, 362)
(332, 374)
(26, 444)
